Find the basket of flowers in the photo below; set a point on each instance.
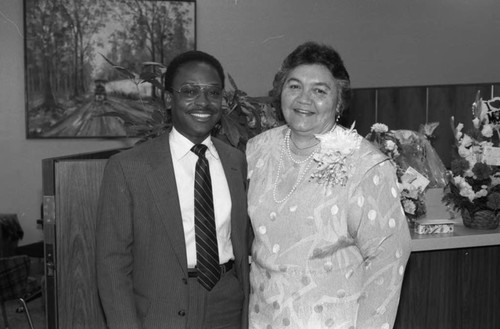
(473, 187)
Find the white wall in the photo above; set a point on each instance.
(383, 43)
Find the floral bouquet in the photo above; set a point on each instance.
(412, 183)
(474, 182)
(336, 146)
(412, 199)
(387, 142)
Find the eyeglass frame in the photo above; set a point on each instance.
(201, 88)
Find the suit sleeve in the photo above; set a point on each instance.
(114, 257)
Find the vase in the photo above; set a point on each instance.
(481, 219)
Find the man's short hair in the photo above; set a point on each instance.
(188, 57)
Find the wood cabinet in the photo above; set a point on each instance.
(455, 288)
(71, 190)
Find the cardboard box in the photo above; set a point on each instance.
(434, 226)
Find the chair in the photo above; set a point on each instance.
(10, 234)
(14, 283)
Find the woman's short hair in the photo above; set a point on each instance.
(188, 57)
(314, 53)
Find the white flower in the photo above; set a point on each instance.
(338, 142)
(487, 131)
(458, 130)
(335, 147)
(390, 145)
(468, 154)
(482, 192)
(476, 122)
(466, 141)
(484, 111)
(409, 206)
(379, 128)
(483, 144)
(463, 151)
(465, 188)
(408, 190)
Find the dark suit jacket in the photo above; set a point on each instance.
(141, 253)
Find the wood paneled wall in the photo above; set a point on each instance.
(409, 107)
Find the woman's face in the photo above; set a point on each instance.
(309, 99)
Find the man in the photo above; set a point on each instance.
(149, 267)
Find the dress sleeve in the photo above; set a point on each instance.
(380, 230)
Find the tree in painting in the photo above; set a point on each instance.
(70, 83)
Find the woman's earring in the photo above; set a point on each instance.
(337, 113)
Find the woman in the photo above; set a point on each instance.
(331, 239)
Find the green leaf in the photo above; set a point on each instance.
(158, 117)
(125, 72)
(231, 81)
(121, 69)
(229, 128)
(157, 84)
(107, 60)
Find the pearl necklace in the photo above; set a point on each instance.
(280, 164)
(287, 144)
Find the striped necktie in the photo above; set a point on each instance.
(207, 255)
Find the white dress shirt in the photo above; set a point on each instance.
(184, 161)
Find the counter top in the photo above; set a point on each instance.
(462, 237)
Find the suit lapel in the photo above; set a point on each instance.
(161, 180)
(234, 181)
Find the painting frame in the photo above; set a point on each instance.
(85, 63)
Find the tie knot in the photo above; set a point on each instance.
(199, 149)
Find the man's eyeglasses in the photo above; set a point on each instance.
(191, 92)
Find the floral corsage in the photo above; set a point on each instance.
(335, 147)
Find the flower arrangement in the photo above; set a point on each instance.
(335, 147)
(386, 141)
(412, 193)
(412, 200)
(474, 180)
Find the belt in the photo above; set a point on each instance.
(193, 272)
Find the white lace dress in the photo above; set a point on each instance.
(324, 259)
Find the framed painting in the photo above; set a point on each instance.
(94, 66)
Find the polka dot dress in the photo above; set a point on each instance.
(324, 258)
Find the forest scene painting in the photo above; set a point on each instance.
(91, 63)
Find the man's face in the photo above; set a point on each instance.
(195, 113)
